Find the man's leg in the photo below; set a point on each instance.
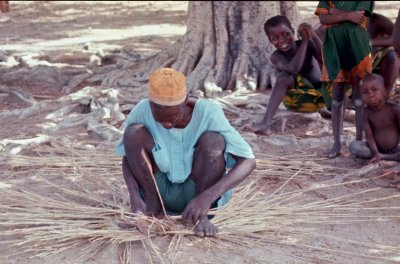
(282, 83)
(208, 168)
(337, 118)
(138, 168)
(389, 70)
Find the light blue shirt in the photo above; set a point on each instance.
(174, 148)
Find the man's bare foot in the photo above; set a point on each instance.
(334, 152)
(205, 228)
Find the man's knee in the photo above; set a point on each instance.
(137, 135)
(211, 143)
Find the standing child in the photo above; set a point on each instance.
(298, 81)
(346, 57)
(381, 122)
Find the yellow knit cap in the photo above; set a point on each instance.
(167, 87)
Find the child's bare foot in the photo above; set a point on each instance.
(258, 129)
(325, 113)
(205, 228)
(334, 152)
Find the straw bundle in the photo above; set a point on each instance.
(82, 203)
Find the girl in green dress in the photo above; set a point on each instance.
(346, 57)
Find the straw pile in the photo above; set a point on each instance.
(82, 203)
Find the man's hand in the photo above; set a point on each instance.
(197, 208)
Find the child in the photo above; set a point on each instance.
(299, 74)
(381, 122)
(385, 61)
(346, 56)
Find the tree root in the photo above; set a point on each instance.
(14, 146)
(224, 48)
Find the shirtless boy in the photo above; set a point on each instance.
(381, 121)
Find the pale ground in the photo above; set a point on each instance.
(55, 28)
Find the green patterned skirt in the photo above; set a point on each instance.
(305, 98)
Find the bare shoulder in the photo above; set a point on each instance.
(277, 57)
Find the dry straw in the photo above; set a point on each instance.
(77, 199)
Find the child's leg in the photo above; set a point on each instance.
(389, 70)
(393, 155)
(337, 118)
(283, 82)
(358, 104)
(360, 149)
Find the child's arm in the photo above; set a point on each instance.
(370, 138)
(315, 43)
(385, 25)
(296, 63)
(337, 16)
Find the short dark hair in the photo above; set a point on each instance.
(373, 77)
(276, 21)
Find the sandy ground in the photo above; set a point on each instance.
(70, 27)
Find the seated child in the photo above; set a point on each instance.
(381, 122)
(298, 81)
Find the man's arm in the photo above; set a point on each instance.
(242, 168)
(200, 205)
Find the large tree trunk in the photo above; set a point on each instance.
(224, 48)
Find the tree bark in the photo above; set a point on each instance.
(224, 48)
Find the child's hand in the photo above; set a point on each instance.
(376, 158)
(334, 11)
(305, 31)
(356, 16)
